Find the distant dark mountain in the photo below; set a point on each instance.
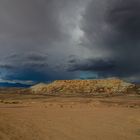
(13, 85)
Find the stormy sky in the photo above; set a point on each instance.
(45, 40)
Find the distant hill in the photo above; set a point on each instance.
(84, 87)
(13, 85)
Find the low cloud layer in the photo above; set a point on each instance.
(92, 65)
(17, 82)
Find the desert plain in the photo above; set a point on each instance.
(25, 116)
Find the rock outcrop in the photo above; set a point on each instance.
(88, 87)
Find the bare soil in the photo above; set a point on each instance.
(37, 117)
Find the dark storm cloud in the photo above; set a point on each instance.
(31, 60)
(31, 56)
(30, 29)
(37, 57)
(112, 28)
(92, 65)
(38, 36)
(26, 28)
(30, 66)
(6, 66)
(125, 18)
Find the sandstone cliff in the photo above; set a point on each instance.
(84, 87)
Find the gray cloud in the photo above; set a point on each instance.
(36, 57)
(30, 29)
(92, 65)
(6, 66)
(37, 25)
(56, 39)
(124, 17)
(33, 60)
(112, 32)
(30, 19)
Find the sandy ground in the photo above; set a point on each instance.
(70, 119)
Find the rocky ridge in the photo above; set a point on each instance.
(84, 87)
